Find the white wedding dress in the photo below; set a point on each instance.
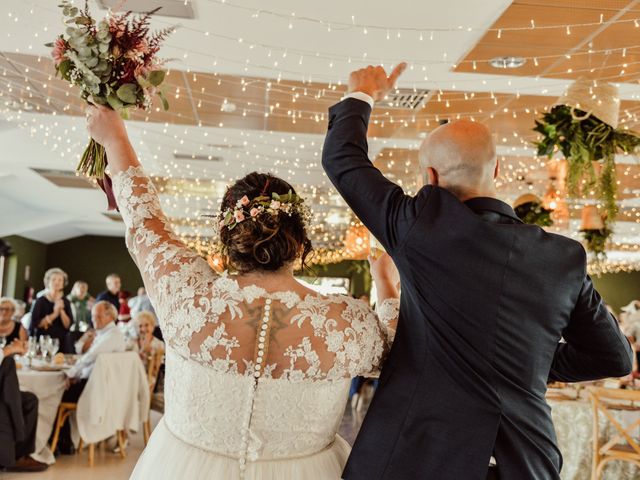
(265, 407)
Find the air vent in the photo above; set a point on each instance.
(408, 98)
(204, 158)
(225, 146)
(65, 178)
(168, 8)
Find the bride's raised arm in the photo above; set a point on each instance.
(167, 265)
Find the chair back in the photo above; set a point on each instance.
(606, 401)
(116, 397)
(153, 368)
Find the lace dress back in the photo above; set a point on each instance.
(251, 375)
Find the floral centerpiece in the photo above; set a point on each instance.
(114, 63)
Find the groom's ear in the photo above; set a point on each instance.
(432, 176)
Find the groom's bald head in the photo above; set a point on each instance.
(461, 157)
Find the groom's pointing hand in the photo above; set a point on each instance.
(374, 80)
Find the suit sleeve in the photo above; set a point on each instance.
(379, 203)
(595, 345)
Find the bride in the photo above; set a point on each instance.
(258, 366)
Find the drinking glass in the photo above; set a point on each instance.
(32, 350)
(54, 346)
(3, 342)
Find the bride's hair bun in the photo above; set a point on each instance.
(270, 241)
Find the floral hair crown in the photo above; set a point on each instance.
(276, 205)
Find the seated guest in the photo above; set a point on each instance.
(21, 309)
(9, 328)
(145, 343)
(111, 294)
(51, 314)
(140, 303)
(107, 339)
(18, 416)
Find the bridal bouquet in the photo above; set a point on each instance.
(114, 63)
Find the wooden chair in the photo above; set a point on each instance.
(153, 369)
(64, 412)
(622, 445)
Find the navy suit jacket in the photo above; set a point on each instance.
(485, 301)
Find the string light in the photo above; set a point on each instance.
(288, 156)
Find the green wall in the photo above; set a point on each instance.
(25, 267)
(88, 258)
(618, 289)
(92, 258)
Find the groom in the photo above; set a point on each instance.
(485, 301)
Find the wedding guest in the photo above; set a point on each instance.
(18, 416)
(124, 312)
(81, 302)
(145, 343)
(113, 289)
(140, 303)
(51, 314)
(21, 309)
(107, 338)
(630, 318)
(9, 328)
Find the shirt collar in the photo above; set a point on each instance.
(106, 328)
(482, 204)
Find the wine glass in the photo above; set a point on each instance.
(32, 350)
(54, 346)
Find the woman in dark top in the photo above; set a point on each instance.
(51, 314)
(10, 329)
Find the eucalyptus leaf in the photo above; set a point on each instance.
(114, 102)
(64, 68)
(156, 77)
(127, 93)
(165, 103)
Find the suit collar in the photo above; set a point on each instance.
(483, 204)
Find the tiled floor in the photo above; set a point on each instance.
(109, 466)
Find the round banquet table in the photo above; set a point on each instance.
(48, 387)
(573, 421)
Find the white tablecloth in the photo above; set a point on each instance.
(573, 421)
(48, 387)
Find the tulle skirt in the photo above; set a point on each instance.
(168, 457)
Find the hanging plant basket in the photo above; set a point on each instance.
(583, 127)
(595, 231)
(530, 210)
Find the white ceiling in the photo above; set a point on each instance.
(35, 208)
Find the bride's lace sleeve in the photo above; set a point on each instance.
(375, 334)
(171, 271)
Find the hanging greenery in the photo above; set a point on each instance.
(533, 213)
(596, 241)
(584, 139)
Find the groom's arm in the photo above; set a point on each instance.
(379, 203)
(595, 346)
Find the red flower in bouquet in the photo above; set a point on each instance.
(114, 63)
(59, 49)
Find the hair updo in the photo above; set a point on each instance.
(271, 241)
